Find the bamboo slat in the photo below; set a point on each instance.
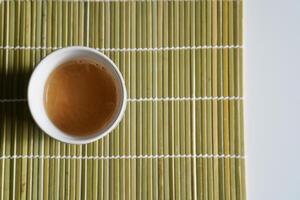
(182, 134)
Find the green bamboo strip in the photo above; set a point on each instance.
(231, 75)
(151, 91)
(242, 162)
(2, 128)
(2, 9)
(193, 106)
(83, 172)
(204, 195)
(35, 162)
(119, 28)
(160, 139)
(81, 28)
(239, 164)
(209, 92)
(20, 174)
(235, 23)
(126, 42)
(19, 146)
(113, 135)
(240, 40)
(241, 75)
(30, 171)
(182, 133)
(101, 25)
(91, 24)
(5, 53)
(198, 139)
(144, 133)
(13, 111)
(165, 93)
(232, 120)
(120, 127)
(13, 79)
(176, 106)
(226, 103)
(219, 31)
(124, 136)
(238, 87)
(17, 126)
(188, 104)
(241, 117)
(170, 84)
(89, 174)
(215, 110)
(35, 183)
(65, 10)
(139, 109)
(237, 124)
(30, 152)
(68, 22)
(75, 23)
(10, 17)
(133, 94)
(100, 191)
(155, 105)
(149, 108)
(87, 23)
(6, 163)
(237, 144)
(220, 104)
(240, 21)
(14, 115)
(6, 170)
(3, 108)
(25, 135)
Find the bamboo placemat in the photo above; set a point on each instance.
(182, 134)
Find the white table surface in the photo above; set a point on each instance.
(272, 98)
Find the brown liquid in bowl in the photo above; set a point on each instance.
(81, 97)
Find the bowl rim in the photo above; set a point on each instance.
(69, 138)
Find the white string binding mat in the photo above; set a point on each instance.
(122, 156)
(130, 49)
(184, 99)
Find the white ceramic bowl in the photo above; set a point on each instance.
(37, 85)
